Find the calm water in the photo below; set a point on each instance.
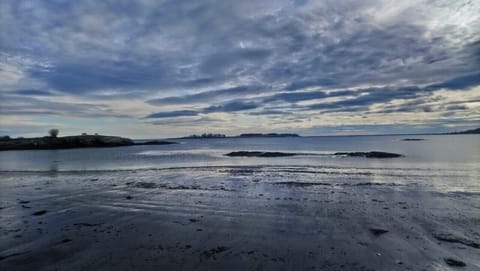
(445, 162)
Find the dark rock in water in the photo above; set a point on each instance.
(258, 154)
(129, 197)
(40, 213)
(413, 139)
(372, 154)
(377, 231)
(454, 262)
(268, 135)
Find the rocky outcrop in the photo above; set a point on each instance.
(372, 154)
(66, 142)
(268, 135)
(258, 154)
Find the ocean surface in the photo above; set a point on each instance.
(442, 162)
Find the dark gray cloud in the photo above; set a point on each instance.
(233, 106)
(459, 83)
(33, 92)
(348, 100)
(207, 96)
(270, 112)
(229, 107)
(173, 114)
(455, 107)
(20, 105)
(186, 121)
(84, 78)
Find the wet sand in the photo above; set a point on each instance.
(233, 218)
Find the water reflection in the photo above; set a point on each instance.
(52, 159)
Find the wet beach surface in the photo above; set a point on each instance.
(236, 218)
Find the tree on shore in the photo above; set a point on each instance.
(53, 132)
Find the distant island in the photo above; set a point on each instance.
(269, 135)
(69, 142)
(210, 135)
(205, 135)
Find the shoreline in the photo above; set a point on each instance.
(73, 142)
(232, 219)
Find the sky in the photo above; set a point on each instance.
(155, 69)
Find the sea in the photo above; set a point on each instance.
(438, 162)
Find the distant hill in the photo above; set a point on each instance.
(472, 131)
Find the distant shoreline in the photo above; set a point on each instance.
(274, 135)
(206, 136)
(102, 141)
(72, 142)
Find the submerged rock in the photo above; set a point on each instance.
(372, 154)
(413, 139)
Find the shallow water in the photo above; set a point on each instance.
(447, 162)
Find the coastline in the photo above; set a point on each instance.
(72, 142)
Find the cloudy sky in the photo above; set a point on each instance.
(150, 69)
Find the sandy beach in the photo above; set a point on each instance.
(233, 218)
